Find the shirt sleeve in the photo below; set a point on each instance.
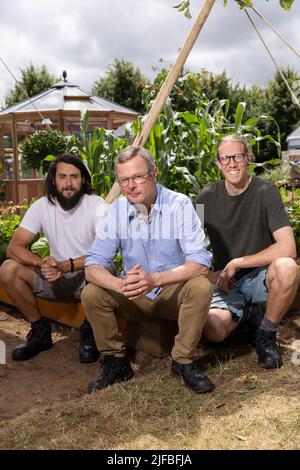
(106, 242)
(32, 218)
(191, 235)
(276, 214)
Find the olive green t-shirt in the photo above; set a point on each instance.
(244, 224)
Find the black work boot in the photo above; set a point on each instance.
(113, 369)
(192, 377)
(88, 351)
(38, 340)
(267, 349)
(253, 315)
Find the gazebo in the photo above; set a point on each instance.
(59, 108)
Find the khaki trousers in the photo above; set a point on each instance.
(188, 303)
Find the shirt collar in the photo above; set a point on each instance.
(156, 207)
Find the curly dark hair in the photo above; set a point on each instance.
(50, 187)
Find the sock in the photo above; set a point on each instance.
(41, 322)
(268, 325)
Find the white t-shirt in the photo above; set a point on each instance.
(69, 233)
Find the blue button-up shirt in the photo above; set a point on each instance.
(170, 236)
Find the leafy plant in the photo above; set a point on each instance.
(98, 149)
(39, 145)
(9, 221)
(184, 143)
(41, 247)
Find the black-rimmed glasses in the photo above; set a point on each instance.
(237, 158)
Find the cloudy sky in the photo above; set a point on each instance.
(84, 37)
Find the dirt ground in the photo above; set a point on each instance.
(56, 375)
(51, 376)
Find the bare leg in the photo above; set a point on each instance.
(219, 325)
(19, 281)
(282, 281)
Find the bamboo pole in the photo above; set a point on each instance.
(167, 85)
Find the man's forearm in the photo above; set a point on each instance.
(103, 278)
(23, 256)
(180, 274)
(262, 258)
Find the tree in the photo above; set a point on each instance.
(123, 84)
(34, 80)
(279, 102)
(192, 89)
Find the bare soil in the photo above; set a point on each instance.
(51, 376)
(44, 405)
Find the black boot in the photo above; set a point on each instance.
(38, 340)
(192, 377)
(267, 349)
(88, 351)
(113, 369)
(253, 315)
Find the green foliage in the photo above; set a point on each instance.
(99, 150)
(123, 84)
(41, 247)
(292, 205)
(39, 145)
(184, 7)
(34, 80)
(278, 102)
(185, 4)
(9, 221)
(184, 143)
(192, 89)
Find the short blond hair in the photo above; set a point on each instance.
(235, 138)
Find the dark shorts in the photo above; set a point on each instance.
(66, 289)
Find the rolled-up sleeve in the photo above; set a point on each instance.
(191, 235)
(106, 242)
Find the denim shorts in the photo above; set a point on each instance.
(67, 288)
(250, 288)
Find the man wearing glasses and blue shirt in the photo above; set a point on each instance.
(253, 250)
(165, 265)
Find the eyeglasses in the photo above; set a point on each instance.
(237, 158)
(139, 178)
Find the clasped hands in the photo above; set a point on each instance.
(137, 283)
(51, 268)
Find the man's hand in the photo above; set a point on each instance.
(227, 276)
(50, 269)
(213, 276)
(137, 282)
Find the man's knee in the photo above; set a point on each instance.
(9, 270)
(94, 295)
(215, 328)
(199, 287)
(285, 271)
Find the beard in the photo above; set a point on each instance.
(68, 203)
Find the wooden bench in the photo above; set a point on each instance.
(155, 337)
(152, 336)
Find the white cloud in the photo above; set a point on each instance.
(85, 37)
